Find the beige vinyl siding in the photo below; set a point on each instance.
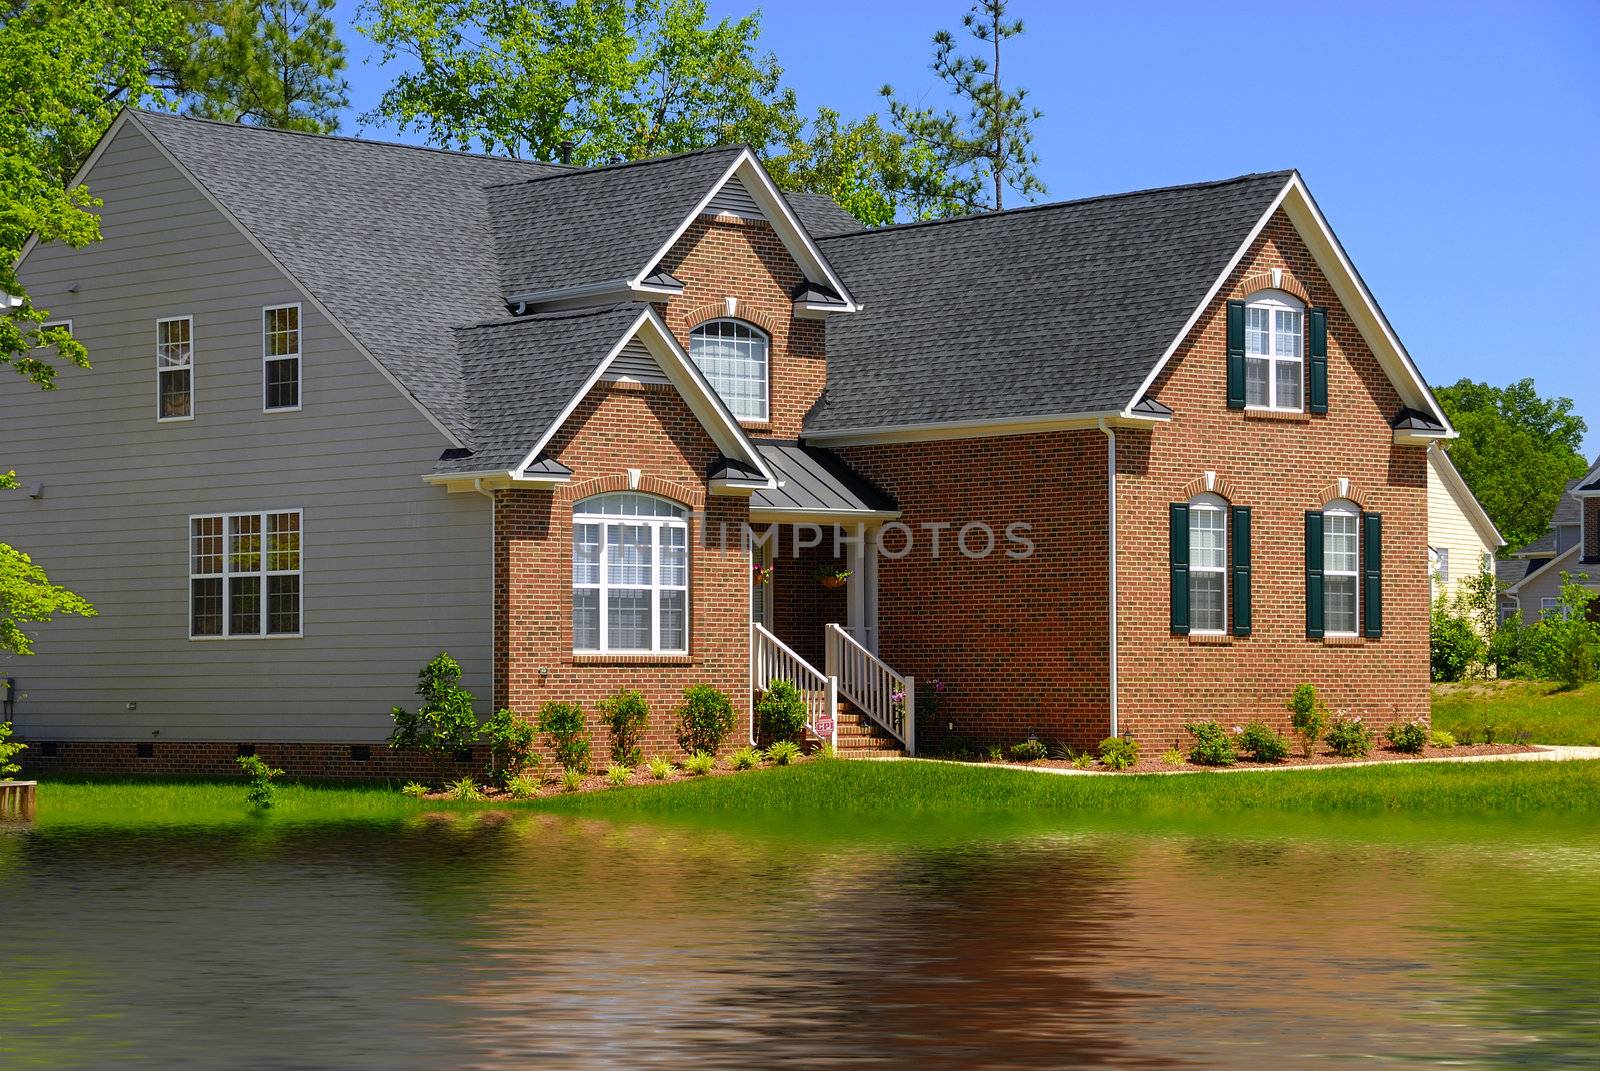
(394, 570)
(1450, 528)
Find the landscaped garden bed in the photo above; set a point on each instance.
(1146, 764)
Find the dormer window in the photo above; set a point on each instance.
(733, 356)
(1274, 351)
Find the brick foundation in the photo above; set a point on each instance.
(217, 759)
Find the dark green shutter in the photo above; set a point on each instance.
(1314, 627)
(1319, 360)
(1178, 541)
(1372, 575)
(1241, 570)
(1235, 355)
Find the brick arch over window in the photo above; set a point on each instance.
(1346, 489)
(1274, 279)
(718, 310)
(1210, 483)
(692, 497)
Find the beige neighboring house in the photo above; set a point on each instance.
(1462, 540)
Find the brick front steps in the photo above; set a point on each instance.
(861, 737)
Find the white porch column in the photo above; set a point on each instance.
(856, 586)
(870, 589)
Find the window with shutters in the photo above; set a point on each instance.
(175, 368)
(1274, 351)
(1208, 565)
(733, 356)
(244, 575)
(1341, 568)
(630, 575)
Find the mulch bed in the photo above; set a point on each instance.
(1153, 764)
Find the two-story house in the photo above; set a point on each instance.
(1096, 467)
(1530, 578)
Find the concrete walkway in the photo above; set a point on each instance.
(1546, 753)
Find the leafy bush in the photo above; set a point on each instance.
(1173, 757)
(1261, 743)
(569, 737)
(466, 790)
(1407, 736)
(1119, 752)
(781, 712)
(1308, 715)
(571, 780)
(1212, 746)
(260, 793)
(1441, 738)
(1513, 649)
(1348, 738)
(783, 752)
(414, 789)
(996, 753)
(8, 751)
(700, 763)
(1030, 750)
(445, 723)
(511, 738)
(661, 768)
(618, 773)
(1571, 641)
(746, 758)
(1454, 645)
(522, 786)
(704, 720)
(626, 714)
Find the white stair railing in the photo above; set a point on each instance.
(772, 660)
(882, 694)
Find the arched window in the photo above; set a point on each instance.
(1341, 567)
(733, 356)
(1274, 351)
(630, 575)
(1208, 564)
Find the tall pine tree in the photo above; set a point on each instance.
(276, 63)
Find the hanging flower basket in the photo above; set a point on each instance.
(761, 575)
(832, 576)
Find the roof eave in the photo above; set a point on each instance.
(981, 428)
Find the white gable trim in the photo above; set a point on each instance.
(692, 386)
(1348, 287)
(1570, 552)
(1471, 508)
(778, 213)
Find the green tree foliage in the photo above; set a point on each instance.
(27, 597)
(1517, 451)
(987, 147)
(9, 749)
(445, 723)
(275, 63)
(877, 175)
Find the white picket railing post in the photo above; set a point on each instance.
(866, 681)
(911, 716)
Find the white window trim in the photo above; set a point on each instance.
(263, 572)
(1550, 606)
(766, 395)
(191, 366)
(656, 587)
(1347, 509)
(1210, 503)
(1275, 300)
(761, 554)
(296, 356)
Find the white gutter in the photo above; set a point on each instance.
(1111, 527)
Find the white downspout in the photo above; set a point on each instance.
(1111, 527)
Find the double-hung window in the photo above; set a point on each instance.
(1274, 353)
(244, 575)
(733, 356)
(175, 368)
(280, 350)
(630, 575)
(1208, 565)
(1341, 568)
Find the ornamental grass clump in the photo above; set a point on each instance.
(571, 780)
(1407, 736)
(1442, 738)
(522, 786)
(1212, 746)
(415, 790)
(1119, 752)
(746, 758)
(1173, 756)
(618, 774)
(783, 752)
(569, 738)
(465, 790)
(1030, 750)
(1262, 744)
(700, 763)
(626, 714)
(1348, 738)
(661, 768)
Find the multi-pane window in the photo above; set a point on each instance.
(630, 575)
(1341, 568)
(244, 574)
(1208, 564)
(1274, 356)
(175, 368)
(280, 347)
(733, 356)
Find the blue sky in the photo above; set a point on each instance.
(1454, 147)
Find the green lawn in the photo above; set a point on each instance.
(1547, 713)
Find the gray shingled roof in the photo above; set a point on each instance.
(813, 480)
(393, 239)
(821, 215)
(576, 227)
(521, 373)
(1510, 570)
(1045, 310)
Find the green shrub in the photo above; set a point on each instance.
(445, 723)
(746, 758)
(1407, 736)
(1453, 643)
(626, 714)
(661, 768)
(783, 752)
(1030, 750)
(1348, 738)
(466, 790)
(414, 789)
(571, 779)
(1441, 738)
(704, 720)
(781, 712)
(511, 738)
(1568, 651)
(569, 737)
(618, 773)
(522, 786)
(1119, 752)
(996, 753)
(260, 794)
(1173, 757)
(1261, 743)
(1308, 715)
(1212, 746)
(1513, 649)
(1083, 761)
(9, 749)
(700, 763)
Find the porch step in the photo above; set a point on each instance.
(859, 735)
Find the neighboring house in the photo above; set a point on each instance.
(1107, 466)
(1462, 540)
(1530, 578)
